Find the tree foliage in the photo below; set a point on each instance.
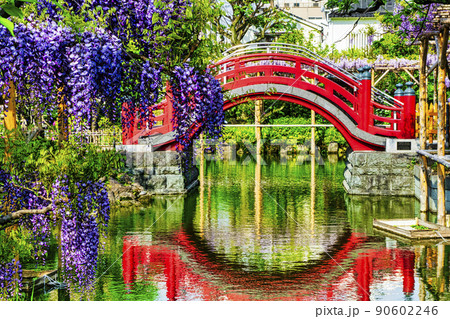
(238, 18)
(349, 7)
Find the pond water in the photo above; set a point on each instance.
(267, 230)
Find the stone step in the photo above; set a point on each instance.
(157, 140)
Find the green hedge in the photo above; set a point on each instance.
(324, 135)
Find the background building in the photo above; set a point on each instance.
(356, 31)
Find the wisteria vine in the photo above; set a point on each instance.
(197, 105)
(10, 279)
(92, 72)
(81, 209)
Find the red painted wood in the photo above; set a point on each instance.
(355, 143)
(354, 97)
(410, 115)
(366, 107)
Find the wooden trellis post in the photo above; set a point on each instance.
(442, 100)
(10, 119)
(423, 124)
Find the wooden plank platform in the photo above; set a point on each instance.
(403, 228)
(30, 275)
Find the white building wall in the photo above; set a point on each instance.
(344, 35)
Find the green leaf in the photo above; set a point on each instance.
(12, 10)
(188, 13)
(8, 24)
(155, 18)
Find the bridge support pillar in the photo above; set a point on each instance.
(379, 173)
(158, 172)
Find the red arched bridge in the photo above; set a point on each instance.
(364, 115)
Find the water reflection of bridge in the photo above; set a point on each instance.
(193, 273)
(197, 263)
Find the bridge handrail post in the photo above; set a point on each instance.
(409, 109)
(168, 110)
(127, 131)
(365, 98)
(357, 107)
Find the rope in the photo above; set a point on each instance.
(437, 232)
(52, 284)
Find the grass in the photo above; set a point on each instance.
(420, 227)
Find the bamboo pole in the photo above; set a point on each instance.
(258, 112)
(313, 195)
(202, 185)
(313, 120)
(442, 100)
(380, 78)
(372, 76)
(440, 269)
(313, 134)
(423, 125)
(258, 197)
(421, 263)
(411, 76)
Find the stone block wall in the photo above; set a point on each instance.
(380, 173)
(158, 172)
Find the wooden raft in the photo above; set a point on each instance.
(403, 227)
(29, 275)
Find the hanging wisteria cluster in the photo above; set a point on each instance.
(48, 65)
(93, 72)
(81, 209)
(197, 105)
(137, 24)
(10, 279)
(83, 219)
(28, 196)
(94, 75)
(33, 61)
(139, 21)
(140, 92)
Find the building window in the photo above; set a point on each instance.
(315, 18)
(286, 5)
(297, 5)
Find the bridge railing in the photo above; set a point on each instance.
(136, 127)
(285, 48)
(292, 71)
